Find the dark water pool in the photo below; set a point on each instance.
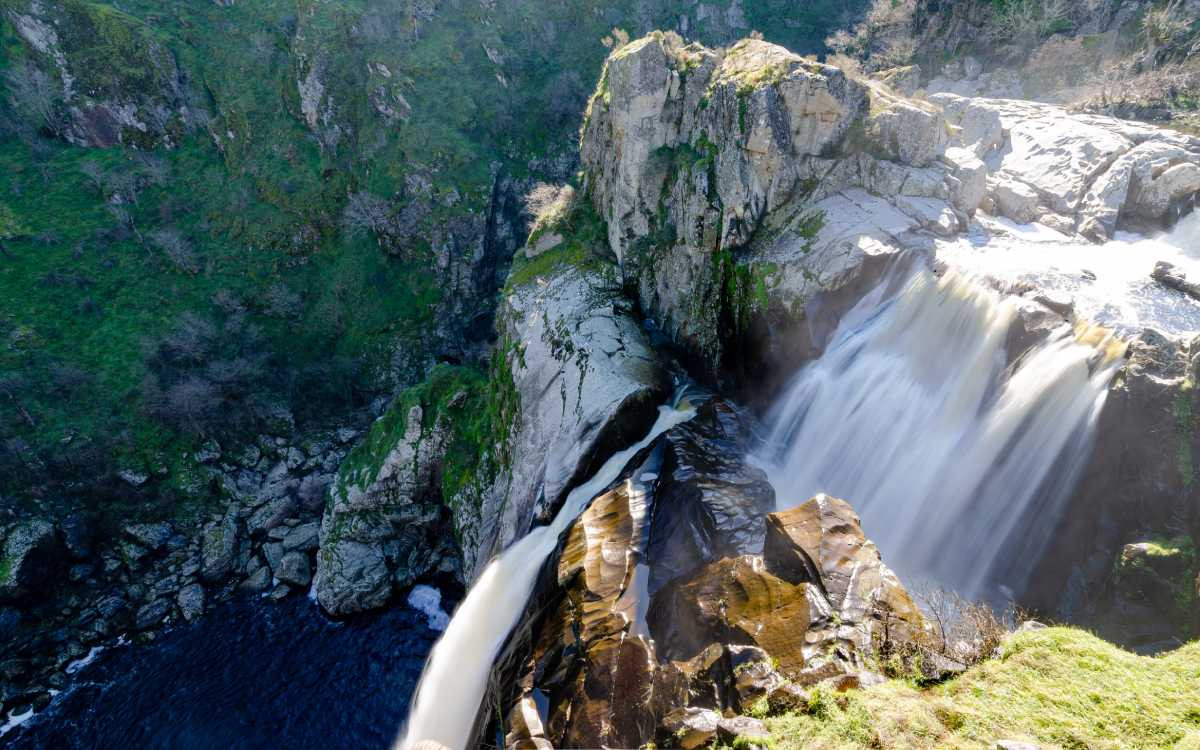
(248, 675)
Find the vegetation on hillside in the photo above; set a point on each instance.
(1059, 687)
(292, 254)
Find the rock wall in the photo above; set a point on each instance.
(752, 196)
(587, 382)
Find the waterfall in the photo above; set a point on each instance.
(955, 460)
(455, 677)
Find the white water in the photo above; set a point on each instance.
(912, 416)
(455, 677)
(428, 601)
(1109, 284)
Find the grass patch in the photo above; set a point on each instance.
(1060, 687)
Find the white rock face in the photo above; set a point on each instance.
(1082, 174)
(587, 381)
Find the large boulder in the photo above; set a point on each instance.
(586, 382)
(643, 631)
(822, 541)
(31, 553)
(384, 524)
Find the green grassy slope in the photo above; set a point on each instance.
(1058, 687)
(254, 194)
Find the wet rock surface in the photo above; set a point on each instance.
(611, 653)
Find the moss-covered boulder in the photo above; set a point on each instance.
(31, 552)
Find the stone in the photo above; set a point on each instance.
(736, 600)
(692, 727)
(1014, 199)
(219, 546)
(249, 456)
(787, 697)
(545, 241)
(979, 128)
(152, 614)
(1168, 275)
(1152, 198)
(294, 569)
(152, 536)
(905, 130)
(824, 538)
(312, 490)
(30, 557)
(270, 515)
(303, 537)
(273, 553)
(754, 676)
(133, 478)
(969, 178)
(208, 452)
(259, 580)
(1014, 745)
(280, 592)
(352, 577)
(77, 535)
(191, 601)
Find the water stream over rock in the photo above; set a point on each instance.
(955, 459)
(455, 678)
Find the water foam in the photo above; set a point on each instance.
(952, 458)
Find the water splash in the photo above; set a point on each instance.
(953, 459)
(455, 678)
(1109, 283)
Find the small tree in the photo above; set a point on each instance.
(177, 249)
(35, 96)
(366, 214)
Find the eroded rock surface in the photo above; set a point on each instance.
(609, 655)
(384, 526)
(587, 382)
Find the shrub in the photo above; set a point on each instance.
(177, 249)
(1021, 21)
(1168, 34)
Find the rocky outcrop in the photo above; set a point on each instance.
(1078, 173)
(624, 644)
(586, 381)
(752, 196)
(30, 555)
(749, 193)
(384, 524)
(98, 77)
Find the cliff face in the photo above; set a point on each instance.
(752, 196)
(1130, 59)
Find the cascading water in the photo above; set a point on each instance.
(455, 677)
(913, 415)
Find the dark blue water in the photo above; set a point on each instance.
(250, 674)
